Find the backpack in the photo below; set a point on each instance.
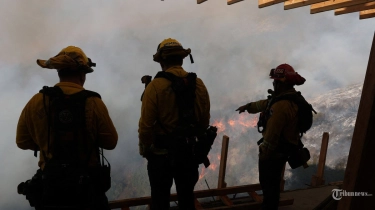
(187, 127)
(68, 181)
(304, 113)
(297, 155)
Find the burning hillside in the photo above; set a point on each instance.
(336, 115)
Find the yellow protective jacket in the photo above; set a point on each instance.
(32, 128)
(158, 103)
(282, 123)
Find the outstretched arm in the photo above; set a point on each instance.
(253, 107)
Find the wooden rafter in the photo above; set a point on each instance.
(365, 7)
(200, 1)
(367, 14)
(334, 4)
(229, 2)
(266, 3)
(355, 8)
(291, 4)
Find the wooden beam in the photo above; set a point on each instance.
(223, 165)
(226, 200)
(367, 14)
(355, 8)
(200, 1)
(266, 3)
(334, 4)
(253, 205)
(360, 168)
(197, 205)
(318, 178)
(230, 2)
(223, 162)
(291, 4)
(198, 194)
(256, 197)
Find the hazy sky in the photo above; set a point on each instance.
(234, 47)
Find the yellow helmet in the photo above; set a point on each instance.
(171, 47)
(71, 57)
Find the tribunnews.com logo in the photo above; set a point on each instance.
(337, 194)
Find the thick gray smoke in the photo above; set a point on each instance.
(234, 47)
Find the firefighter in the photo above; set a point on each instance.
(159, 118)
(39, 129)
(280, 131)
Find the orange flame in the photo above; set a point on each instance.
(238, 123)
(202, 173)
(220, 126)
(213, 166)
(243, 121)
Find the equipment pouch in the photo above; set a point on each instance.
(32, 189)
(298, 157)
(105, 178)
(203, 146)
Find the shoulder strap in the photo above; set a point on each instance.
(167, 75)
(184, 88)
(56, 92)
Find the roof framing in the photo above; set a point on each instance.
(291, 4)
(355, 8)
(334, 4)
(367, 14)
(229, 2)
(365, 8)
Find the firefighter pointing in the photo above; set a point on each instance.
(284, 117)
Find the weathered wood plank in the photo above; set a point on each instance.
(266, 3)
(334, 4)
(360, 168)
(318, 178)
(198, 194)
(254, 205)
(256, 197)
(355, 8)
(230, 2)
(200, 1)
(197, 205)
(226, 200)
(223, 162)
(291, 4)
(367, 14)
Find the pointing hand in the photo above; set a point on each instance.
(241, 109)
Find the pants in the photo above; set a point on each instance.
(100, 202)
(270, 177)
(161, 174)
(63, 189)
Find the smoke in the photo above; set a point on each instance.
(234, 47)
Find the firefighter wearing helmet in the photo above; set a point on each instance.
(159, 118)
(280, 131)
(68, 125)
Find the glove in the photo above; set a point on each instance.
(242, 108)
(144, 150)
(262, 155)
